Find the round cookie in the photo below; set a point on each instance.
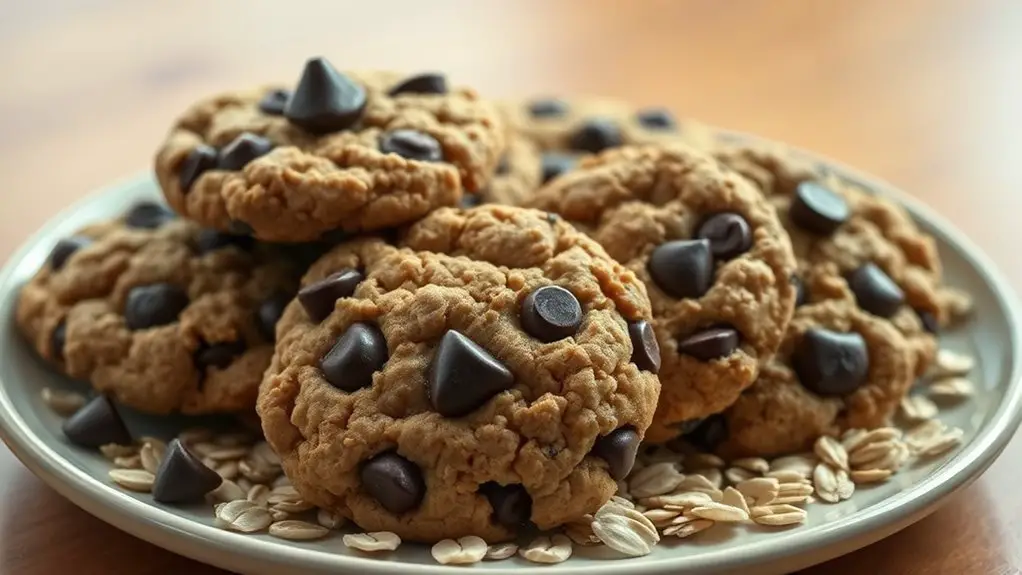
(495, 371)
(349, 152)
(159, 313)
(889, 264)
(519, 174)
(838, 368)
(713, 256)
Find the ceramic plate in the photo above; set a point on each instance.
(992, 336)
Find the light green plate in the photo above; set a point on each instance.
(993, 337)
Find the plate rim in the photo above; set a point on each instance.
(207, 543)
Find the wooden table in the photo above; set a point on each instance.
(925, 93)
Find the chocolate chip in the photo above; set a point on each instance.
(503, 166)
(212, 240)
(596, 135)
(394, 482)
(818, 209)
(831, 363)
(551, 313)
(875, 291)
(412, 145)
(512, 506)
(728, 233)
(148, 216)
(548, 108)
(240, 228)
(470, 200)
(656, 119)
(318, 298)
(269, 313)
(463, 376)
(687, 426)
(929, 321)
(682, 268)
(618, 449)
(555, 164)
(709, 433)
(97, 423)
(800, 291)
(359, 353)
(242, 150)
(154, 305)
(274, 102)
(426, 83)
(325, 100)
(182, 477)
(710, 344)
(57, 340)
(645, 349)
(218, 355)
(64, 249)
(200, 159)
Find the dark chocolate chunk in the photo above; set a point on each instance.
(219, 355)
(182, 477)
(728, 233)
(929, 321)
(64, 249)
(325, 99)
(875, 291)
(548, 108)
(710, 344)
(242, 150)
(801, 297)
(154, 305)
(97, 423)
(240, 228)
(359, 353)
(596, 135)
(426, 83)
(212, 240)
(201, 158)
(148, 216)
(555, 164)
(682, 268)
(709, 433)
(656, 119)
(817, 209)
(318, 298)
(412, 145)
(618, 449)
(463, 376)
(831, 363)
(551, 313)
(394, 482)
(268, 314)
(274, 102)
(57, 340)
(645, 349)
(512, 506)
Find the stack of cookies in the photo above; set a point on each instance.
(455, 317)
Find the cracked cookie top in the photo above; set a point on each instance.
(492, 369)
(344, 152)
(712, 254)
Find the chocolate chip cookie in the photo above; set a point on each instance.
(889, 264)
(839, 367)
(342, 151)
(712, 254)
(159, 313)
(493, 369)
(519, 174)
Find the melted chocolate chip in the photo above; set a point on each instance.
(394, 482)
(412, 145)
(154, 305)
(728, 233)
(618, 449)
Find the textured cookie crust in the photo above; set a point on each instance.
(519, 174)
(311, 184)
(155, 369)
(878, 231)
(632, 200)
(466, 270)
(778, 415)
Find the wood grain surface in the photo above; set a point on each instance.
(924, 93)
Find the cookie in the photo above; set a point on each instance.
(838, 368)
(342, 151)
(890, 265)
(495, 370)
(159, 313)
(713, 256)
(519, 174)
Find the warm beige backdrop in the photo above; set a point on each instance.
(925, 93)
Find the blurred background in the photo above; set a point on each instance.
(924, 93)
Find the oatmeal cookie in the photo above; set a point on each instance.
(494, 369)
(713, 256)
(519, 174)
(342, 151)
(159, 313)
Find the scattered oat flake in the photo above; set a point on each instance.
(656, 479)
(371, 542)
(703, 461)
(831, 451)
(236, 439)
(760, 490)
(941, 443)
(112, 450)
(329, 519)
(227, 491)
(870, 475)
(543, 549)
(129, 462)
(259, 494)
(787, 476)
(778, 515)
(194, 435)
(801, 464)
(133, 479)
(263, 452)
(294, 530)
(581, 531)
(242, 515)
(625, 530)
(463, 551)
(915, 408)
(952, 388)
(299, 506)
(151, 455)
(734, 498)
(688, 529)
(227, 470)
(500, 551)
(227, 453)
(735, 475)
(720, 513)
(681, 499)
(62, 402)
(949, 363)
(756, 465)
